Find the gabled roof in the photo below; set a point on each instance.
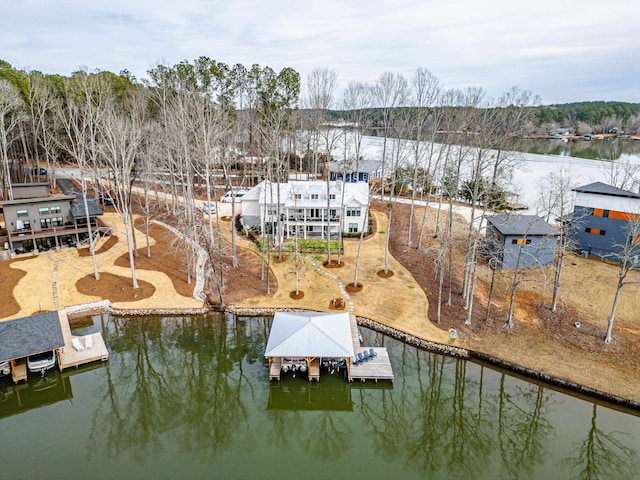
(310, 334)
(604, 189)
(521, 225)
(363, 166)
(25, 336)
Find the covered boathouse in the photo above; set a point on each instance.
(309, 339)
(23, 337)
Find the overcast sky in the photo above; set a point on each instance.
(563, 50)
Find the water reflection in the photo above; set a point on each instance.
(190, 395)
(607, 149)
(333, 394)
(39, 391)
(604, 454)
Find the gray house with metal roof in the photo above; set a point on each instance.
(42, 223)
(601, 218)
(352, 171)
(520, 241)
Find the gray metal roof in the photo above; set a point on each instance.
(310, 334)
(78, 211)
(521, 225)
(25, 336)
(364, 166)
(22, 201)
(604, 189)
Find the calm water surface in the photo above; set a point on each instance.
(189, 397)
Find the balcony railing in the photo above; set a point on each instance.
(313, 219)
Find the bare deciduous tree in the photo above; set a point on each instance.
(628, 259)
(10, 118)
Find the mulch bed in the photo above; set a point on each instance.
(115, 287)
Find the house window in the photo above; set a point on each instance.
(332, 196)
(353, 211)
(521, 241)
(57, 221)
(22, 213)
(314, 196)
(496, 236)
(614, 215)
(627, 217)
(595, 231)
(271, 209)
(45, 223)
(43, 211)
(298, 196)
(23, 225)
(353, 227)
(55, 210)
(333, 213)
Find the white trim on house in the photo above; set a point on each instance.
(301, 206)
(607, 202)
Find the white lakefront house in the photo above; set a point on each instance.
(300, 207)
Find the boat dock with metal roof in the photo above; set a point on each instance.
(302, 340)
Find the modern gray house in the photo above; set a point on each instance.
(520, 240)
(37, 222)
(601, 217)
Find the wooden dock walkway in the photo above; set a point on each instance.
(314, 370)
(19, 369)
(68, 356)
(275, 368)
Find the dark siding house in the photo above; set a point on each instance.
(601, 217)
(352, 171)
(524, 240)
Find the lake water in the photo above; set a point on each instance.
(189, 397)
(579, 158)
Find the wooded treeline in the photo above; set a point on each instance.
(578, 118)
